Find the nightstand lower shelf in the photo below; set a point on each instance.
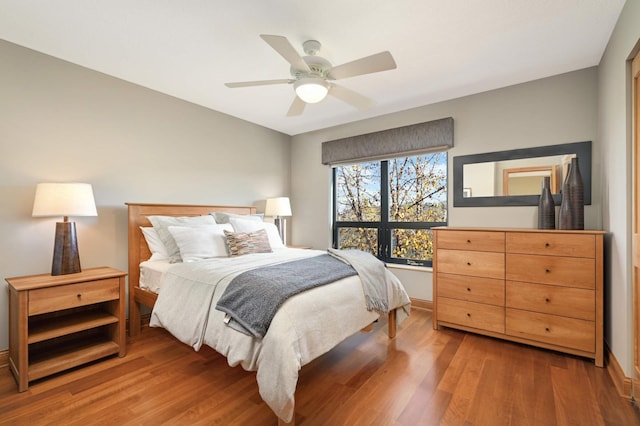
(68, 324)
(72, 355)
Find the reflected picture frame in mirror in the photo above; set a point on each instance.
(500, 173)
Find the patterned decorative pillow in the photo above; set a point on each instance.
(239, 243)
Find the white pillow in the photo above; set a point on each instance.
(244, 225)
(156, 247)
(224, 217)
(200, 242)
(161, 223)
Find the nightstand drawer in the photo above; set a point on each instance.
(52, 299)
(568, 332)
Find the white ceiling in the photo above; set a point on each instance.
(444, 49)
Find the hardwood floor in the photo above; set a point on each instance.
(422, 377)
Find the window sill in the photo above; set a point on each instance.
(410, 267)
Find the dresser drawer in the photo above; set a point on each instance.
(52, 299)
(551, 244)
(472, 289)
(474, 263)
(470, 314)
(471, 240)
(549, 299)
(564, 271)
(568, 332)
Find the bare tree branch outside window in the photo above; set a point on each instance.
(417, 199)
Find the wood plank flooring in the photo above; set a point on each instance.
(422, 377)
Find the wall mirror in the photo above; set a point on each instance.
(514, 178)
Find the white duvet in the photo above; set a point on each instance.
(305, 327)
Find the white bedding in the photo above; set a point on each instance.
(305, 327)
(151, 274)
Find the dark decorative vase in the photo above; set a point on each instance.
(571, 215)
(576, 197)
(565, 214)
(546, 207)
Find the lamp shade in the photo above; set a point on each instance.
(311, 90)
(278, 207)
(64, 199)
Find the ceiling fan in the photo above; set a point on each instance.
(312, 76)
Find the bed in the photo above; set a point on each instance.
(293, 339)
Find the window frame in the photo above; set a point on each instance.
(384, 226)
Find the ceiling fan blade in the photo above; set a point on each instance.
(296, 108)
(382, 61)
(350, 97)
(281, 45)
(258, 83)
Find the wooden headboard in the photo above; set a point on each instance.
(139, 251)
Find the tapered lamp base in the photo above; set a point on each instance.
(66, 259)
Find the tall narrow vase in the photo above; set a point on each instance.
(565, 214)
(576, 189)
(546, 207)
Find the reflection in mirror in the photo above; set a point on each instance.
(528, 180)
(515, 177)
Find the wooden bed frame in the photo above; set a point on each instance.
(139, 251)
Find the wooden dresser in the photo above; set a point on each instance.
(539, 287)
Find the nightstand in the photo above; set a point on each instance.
(63, 321)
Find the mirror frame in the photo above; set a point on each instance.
(581, 149)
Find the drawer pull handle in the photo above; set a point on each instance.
(468, 315)
(468, 289)
(547, 244)
(468, 263)
(79, 295)
(547, 270)
(468, 241)
(546, 299)
(547, 329)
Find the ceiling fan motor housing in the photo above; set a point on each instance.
(319, 66)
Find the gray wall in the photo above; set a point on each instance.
(616, 154)
(62, 122)
(551, 111)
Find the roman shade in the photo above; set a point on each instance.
(418, 138)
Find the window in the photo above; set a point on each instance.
(389, 207)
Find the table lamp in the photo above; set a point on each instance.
(64, 199)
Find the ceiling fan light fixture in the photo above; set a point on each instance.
(311, 90)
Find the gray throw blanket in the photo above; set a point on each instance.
(252, 298)
(373, 274)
